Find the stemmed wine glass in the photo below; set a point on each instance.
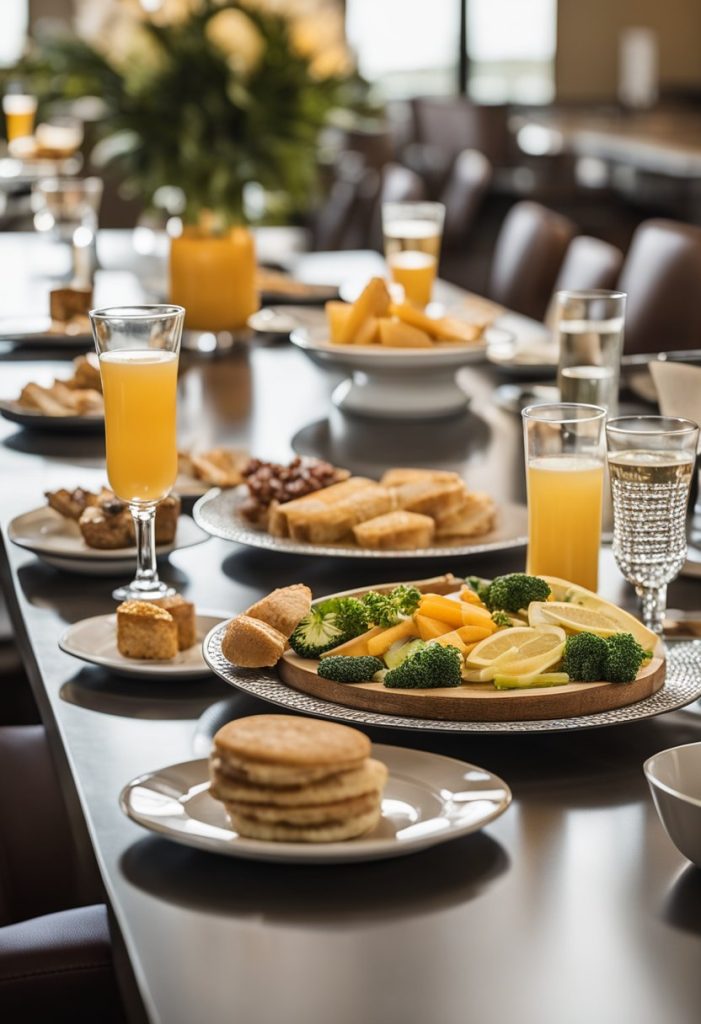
(138, 349)
(651, 460)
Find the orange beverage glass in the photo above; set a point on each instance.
(138, 350)
(412, 238)
(20, 111)
(564, 474)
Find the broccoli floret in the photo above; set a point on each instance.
(433, 666)
(584, 659)
(501, 619)
(351, 614)
(624, 656)
(515, 591)
(345, 669)
(387, 609)
(480, 587)
(327, 625)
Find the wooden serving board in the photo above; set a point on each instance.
(469, 702)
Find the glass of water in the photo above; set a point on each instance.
(588, 327)
(651, 460)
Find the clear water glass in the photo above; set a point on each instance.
(588, 327)
(138, 348)
(651, 460)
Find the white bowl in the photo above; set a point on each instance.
(674, 777)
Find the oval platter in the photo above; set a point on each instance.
(465, 704)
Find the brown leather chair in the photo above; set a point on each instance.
(463, 194)
(398, 184)
(529, 252)
(589, 263)
(662, 279)
(55, 957)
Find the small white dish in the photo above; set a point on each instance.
(674, 777)
(95, 640)
(428, 799)
(58, 541)
(90, 423)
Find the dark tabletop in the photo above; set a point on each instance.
(573, 907)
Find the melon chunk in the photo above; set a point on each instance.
(336, 315)
(396, 334)
(430, 629)
(377, 645)
(357, 647)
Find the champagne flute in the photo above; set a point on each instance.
(138, 349)
(651, 460)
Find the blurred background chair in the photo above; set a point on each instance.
(397, 184)
(55, 955)
(589, 263)
(464, 192)
(662, 277)
(529, 252)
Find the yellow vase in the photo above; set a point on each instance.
(214, 278)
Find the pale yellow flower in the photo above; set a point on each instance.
(233, 32)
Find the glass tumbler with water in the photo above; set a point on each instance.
(588, 327)
(651, 460)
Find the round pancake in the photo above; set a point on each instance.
(322, 814)
(281, 776)
(289, 741)
(335, 833)
(369, 778)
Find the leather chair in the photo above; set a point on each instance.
(662, 279)
(589, 263)
(529, 252)
(55, 957)
(463, 194)
(398, 184)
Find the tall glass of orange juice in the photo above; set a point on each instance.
(138, 349)
(20, 110)
(412, 237)
(565, 451)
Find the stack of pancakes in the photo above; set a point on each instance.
(292, 779)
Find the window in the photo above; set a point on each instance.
(14, 21)
(406, 47)
(511, 49)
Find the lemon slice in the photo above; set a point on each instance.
(574, 595)
(520, 643)
(574, 617)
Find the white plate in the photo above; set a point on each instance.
(218, 513)
(58, 541)
(682, 686)
(90, 423)
(428, 799)
(35, 331)
(95, 640)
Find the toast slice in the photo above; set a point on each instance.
(475, 517)
(334, 522)
(430, 497)
(278, 520)
(398, 530)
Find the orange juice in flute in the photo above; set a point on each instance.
(138, 349)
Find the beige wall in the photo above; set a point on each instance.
(587, 43)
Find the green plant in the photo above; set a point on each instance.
(208, 102)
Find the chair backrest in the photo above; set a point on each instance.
(463, 194)
(662, 279)
(529, 252)
(678, 387)
(398, 185)
(589, 263)
(454, 123)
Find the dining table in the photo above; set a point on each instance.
(572, 907)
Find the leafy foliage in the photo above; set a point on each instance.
(183, 110)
